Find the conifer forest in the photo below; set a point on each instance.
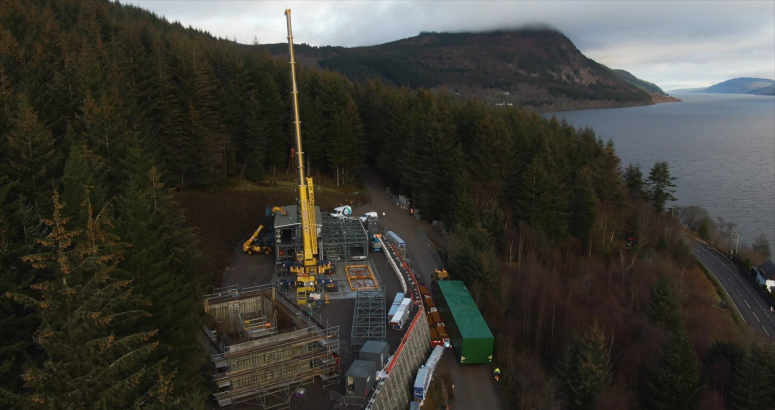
(108, 111)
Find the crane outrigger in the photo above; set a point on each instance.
(306, 272)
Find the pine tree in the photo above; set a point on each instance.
(161, 259)
(663, 305)
(17, 326)
(312, 132)
(753, 377)
(77, 181)
(633, 178)
(462, 210)
(166, 114)
(539, 198)
(437, 140)
(659, 185)
(255, 140)
(761, 246)
(271, 108)
(404, 153)
(206, 130)
(606, 176)
(585, 369)
(104, 130)
(6, 103)
(345, 145)
(675, 382)
(246, 122)
(31, 156)
(92, 357)
(137, 62)
(474, 260)
(583, 213)
(491, 151)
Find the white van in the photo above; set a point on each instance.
(342, 212)
(368, 215)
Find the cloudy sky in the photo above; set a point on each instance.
(675, 44)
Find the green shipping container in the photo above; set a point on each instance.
(468, 332)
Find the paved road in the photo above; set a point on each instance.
(474, 384)
(752, 306)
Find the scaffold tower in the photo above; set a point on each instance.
(261, 358)
(369, 320)
(343, 240)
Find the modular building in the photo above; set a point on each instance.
(470, 336)
(361, 378)
(394, 307)
(375, 351)
(421, 383)
(402, 314)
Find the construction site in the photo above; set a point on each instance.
(304, 321)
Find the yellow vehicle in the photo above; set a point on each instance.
(440, 274)
(255, 244)
(279, 208)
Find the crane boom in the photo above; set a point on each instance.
(306, 275)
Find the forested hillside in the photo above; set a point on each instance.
(644, 85)
(534, 68)
(107, 110)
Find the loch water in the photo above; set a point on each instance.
(720, 147)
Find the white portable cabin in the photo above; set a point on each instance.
(421, 382)
(399, 318)
(397, 242)
(433, 361)
(394, 307)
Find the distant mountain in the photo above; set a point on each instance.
(769, 90)
(687, 90)
(743, 85)
(643, 85)
(533, 68)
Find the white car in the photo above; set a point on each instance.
(368, 215)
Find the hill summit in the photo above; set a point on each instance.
(530, 67)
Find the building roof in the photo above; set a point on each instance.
(361, 368)
(373, 346)
(767, 270)
(293, 217)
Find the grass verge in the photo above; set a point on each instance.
(721, 295)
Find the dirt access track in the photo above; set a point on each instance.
(474, 383)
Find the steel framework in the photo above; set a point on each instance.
(369, 320)
(343, 240)
(254, 363)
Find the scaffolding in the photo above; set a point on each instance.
(369, 318)
(343, 240)
(256, 360)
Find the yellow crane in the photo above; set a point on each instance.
(306, 273)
